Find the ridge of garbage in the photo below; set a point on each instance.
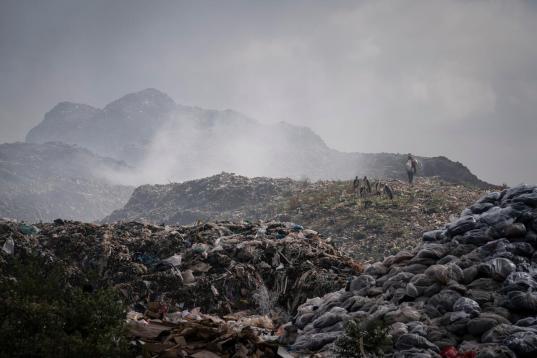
(469, 286)
(366, 228)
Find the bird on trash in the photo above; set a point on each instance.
(367, 184)
(356, 185)
(388, 191)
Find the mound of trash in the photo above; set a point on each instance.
(221, 268)
(366, 227)
(225, 196)
(469, 290)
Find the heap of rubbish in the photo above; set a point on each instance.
(367, 226)
(223, 286)
(269, 289)
(193, 334)
(469, 290)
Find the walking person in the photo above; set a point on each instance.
(411, 168)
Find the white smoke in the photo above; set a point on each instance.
(189, 147)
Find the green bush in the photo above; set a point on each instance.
(43, 315)
(367, 339)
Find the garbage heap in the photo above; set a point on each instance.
(366, 227)
(470, 289)
(193, 334)
(224, 196)
(220, 268)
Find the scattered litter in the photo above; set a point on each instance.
(9, 246)
(174, 260)
(194, 334)
(27, 229)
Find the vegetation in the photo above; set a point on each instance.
(372, 227)
(366, 339)
(43, 315)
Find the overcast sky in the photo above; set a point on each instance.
(454, 78)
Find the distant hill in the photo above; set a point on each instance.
(365, 227)
(165, 141)
(42, 182)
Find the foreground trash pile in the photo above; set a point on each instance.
(270, 289)
(179, 280)
(367, 228)
(194, 334)
(468, 291)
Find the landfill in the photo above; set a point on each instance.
(469, 290)
(365, 227)
(224, 287)
(277, 289)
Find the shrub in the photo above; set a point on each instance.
(294, 203)
(43, 315)
(363, 340)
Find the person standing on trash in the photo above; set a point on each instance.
(411, 168)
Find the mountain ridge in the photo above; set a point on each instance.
(167, 141)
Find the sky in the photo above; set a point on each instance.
(452, 78)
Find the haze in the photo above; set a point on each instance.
(453, 78)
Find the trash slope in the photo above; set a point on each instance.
(366, 228)
(470, 287)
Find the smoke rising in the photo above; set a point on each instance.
(203, 143)
(454, 78)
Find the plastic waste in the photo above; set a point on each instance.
(9, 246)
(148, 260)
(28, 229)
(174, 260)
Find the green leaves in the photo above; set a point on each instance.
(43, 315)
(365, 339)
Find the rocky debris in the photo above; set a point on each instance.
(366, 228)
(40, 182)
(470, 289)
(265, 267)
